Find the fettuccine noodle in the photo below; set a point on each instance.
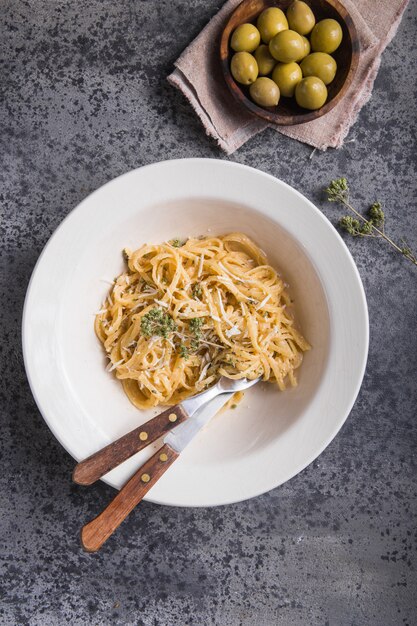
(183, 315)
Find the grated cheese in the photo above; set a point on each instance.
(210, 343)
(241, 280)
(222, 308)
(171, 343)
(112, 366)
(203, 372)
(264, 301)
(231, 332)
(200, 266)
(162, 303)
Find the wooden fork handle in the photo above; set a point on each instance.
(98, 464)
(96, 532)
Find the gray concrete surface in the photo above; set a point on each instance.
(85, 99)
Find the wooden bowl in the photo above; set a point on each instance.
(288, 112)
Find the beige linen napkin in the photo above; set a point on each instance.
(198, 75)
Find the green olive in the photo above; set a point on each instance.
(300, 17)
(307, 46)
(287, 46)
(265, 61)
(244, 68)
(264, 92)
(311, 93)
(326, 36)
(321, 65)
(270, 22)
(245, 38)
(287, 76)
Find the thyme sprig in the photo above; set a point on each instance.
(373, 225)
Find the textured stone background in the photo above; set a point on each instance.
(85, 99)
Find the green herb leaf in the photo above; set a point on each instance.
(338, 190)
(184, 353)
(367, 227)
(351, 225)
(377, 214)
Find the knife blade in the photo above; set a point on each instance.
(184, 433)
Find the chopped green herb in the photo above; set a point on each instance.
(195, 326)
(177, 243)
(234, 406)
(197, 291)
(157, 322)
(184, 353)
(194, 344)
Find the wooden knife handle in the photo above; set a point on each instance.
(96, 532)
(98, 464)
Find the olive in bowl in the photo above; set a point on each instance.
(244, 68)
(287, 46)
(326, 36)
(311, 93)
(265, 60)
(287, 76)
(300, 17)
(264, 92)
(319, 64)
(246, 38)
(271, 22)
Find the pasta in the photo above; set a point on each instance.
(184, 314)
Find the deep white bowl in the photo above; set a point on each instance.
(272, 435)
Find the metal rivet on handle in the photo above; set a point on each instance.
(143, 435)
(163, 457)
(145, 478)
(172, 417)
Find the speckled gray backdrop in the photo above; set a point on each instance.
(84, 100)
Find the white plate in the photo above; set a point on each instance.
(271, 436)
